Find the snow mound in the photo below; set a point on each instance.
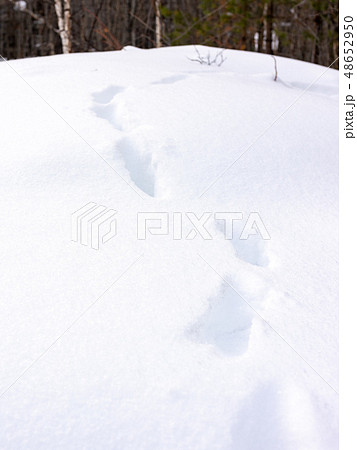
(168, 343)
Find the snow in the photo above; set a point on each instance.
(168, 343)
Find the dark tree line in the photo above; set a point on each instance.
(306, 29)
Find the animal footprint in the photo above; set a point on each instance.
(266, 430)
(106, 96)
(104, 106)
(135, 146)
(251, 250)
(139, 164)
(226, 323)
(249, 247)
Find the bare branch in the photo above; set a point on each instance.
(35, 16)
(206, 60)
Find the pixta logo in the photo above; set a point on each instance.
(93, 225)
(189, 225)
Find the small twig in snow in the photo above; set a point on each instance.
(206, 60)
(275, 67)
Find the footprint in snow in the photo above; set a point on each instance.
(106, 96)
(264, 429)
(280, 414)
(133, 146)
(252, 250)
(227, 322)
(139, 164)
(103, 106)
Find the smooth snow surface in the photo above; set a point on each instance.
(170, 356)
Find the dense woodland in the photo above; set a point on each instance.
(306, 29)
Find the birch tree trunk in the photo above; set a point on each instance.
(64, 23)
(157, 24)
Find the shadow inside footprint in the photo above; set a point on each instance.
(108, 113)
(226, 324)
(106, 96)
(259, 422)
(251, 250)
(138, 161)
(104, 107)
(170, 80)
(139, 165)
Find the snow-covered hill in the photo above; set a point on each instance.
(168, 343)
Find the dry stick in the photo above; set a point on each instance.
(275, 67)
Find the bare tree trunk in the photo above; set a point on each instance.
(64, 23)
(260, 36)
(67, 24)
(269, 27)
(157, 24)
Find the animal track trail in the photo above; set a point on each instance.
(134, 145)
